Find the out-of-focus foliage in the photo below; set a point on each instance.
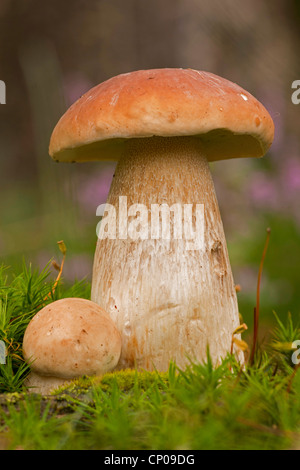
(52, 52)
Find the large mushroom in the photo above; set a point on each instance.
(168, 297)
(67, 339)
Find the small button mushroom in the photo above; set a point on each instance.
(164, 127)
(67, 339)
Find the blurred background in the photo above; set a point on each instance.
(53, 52)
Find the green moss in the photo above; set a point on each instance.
(124, 379)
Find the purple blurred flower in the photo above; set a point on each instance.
(263, 191)
(291, 175)
(94, 189)
(78, 267)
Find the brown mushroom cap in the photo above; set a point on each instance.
(72, 337)
(230, 122)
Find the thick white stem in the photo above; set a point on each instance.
(167, 300)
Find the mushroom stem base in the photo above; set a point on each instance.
(43, 385)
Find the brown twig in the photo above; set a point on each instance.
(256, 308)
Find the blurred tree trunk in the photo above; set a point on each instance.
(45, 90)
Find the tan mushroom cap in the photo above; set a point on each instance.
(163, 102)
(72, 337)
